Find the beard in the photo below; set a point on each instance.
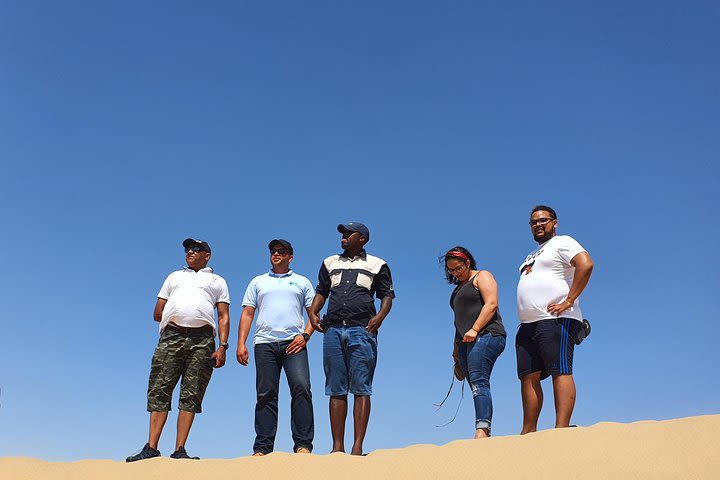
(543, 237)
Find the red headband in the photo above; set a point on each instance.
(455, 253)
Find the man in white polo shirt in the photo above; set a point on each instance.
(279, 297)
(186, 309)
(552, 277)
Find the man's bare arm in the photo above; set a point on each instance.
(223, 321)
(314, 312)
(299, 342)
(377, 320)
(159, 306)
(583, 269)
(223, 332)
(246, 319)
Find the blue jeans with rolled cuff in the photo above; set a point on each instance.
(477, 360)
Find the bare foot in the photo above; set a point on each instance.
(481, 433)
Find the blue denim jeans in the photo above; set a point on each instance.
(270, 359)
(477, 360)
(349, 359)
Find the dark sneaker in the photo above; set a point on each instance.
(181, 453)
(145, 453)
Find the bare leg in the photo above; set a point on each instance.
(564, 391)
(481, 433)
(532, 400)
(157, 422)
(338, 414)
(361, 415)
(185, 421)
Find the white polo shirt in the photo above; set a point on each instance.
(545, 277)
(191, 297)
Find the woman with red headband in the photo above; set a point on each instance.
(479, 332)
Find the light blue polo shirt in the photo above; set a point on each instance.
(279, 301)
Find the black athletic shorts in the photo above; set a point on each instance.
(546, 346)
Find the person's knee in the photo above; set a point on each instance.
(480, 388)
(300, 389)
(267, 396)
(563, 380)
(531, 379)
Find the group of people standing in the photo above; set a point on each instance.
(552, 278)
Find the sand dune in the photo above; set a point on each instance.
(683, 448)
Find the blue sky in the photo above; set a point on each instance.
(126, 127)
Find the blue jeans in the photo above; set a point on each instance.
(270, 359)
(349, 359)
(477, 360)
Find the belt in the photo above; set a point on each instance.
(347, 323)
(190, 330)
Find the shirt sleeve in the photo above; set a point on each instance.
(250, 297)
(309, 293)
(383, 283)
(568, 248)
(323, 286)
(224, 293)
(167, 288)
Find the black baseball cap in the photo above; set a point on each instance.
(354, 227)
(280, 241)
(193, 242)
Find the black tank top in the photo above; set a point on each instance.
(467, 302)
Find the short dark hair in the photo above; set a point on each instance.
(544, 208)
(453, 253)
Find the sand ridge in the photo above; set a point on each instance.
(681, 448)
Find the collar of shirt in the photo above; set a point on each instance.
(280, 275)
(206, 270)
(362, 254)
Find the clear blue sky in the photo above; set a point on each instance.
(126, 127)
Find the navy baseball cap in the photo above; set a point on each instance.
(284, 243)
(354, 227)
(193, 242)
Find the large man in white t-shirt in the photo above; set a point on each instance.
(279, 298)
(185, 309)
(552, 277)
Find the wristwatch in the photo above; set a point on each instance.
(225, 344)
(306, 336)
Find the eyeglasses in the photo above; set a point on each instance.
(195, 249)
(541, 221)
(279, 251)
(457, 269)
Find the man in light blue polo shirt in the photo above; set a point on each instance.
(279, 297)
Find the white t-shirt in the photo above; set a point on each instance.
(279, 300)
(545, 277)
(191, 297)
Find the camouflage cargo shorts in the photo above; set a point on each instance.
(179, 354)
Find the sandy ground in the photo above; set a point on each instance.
(682, 448)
